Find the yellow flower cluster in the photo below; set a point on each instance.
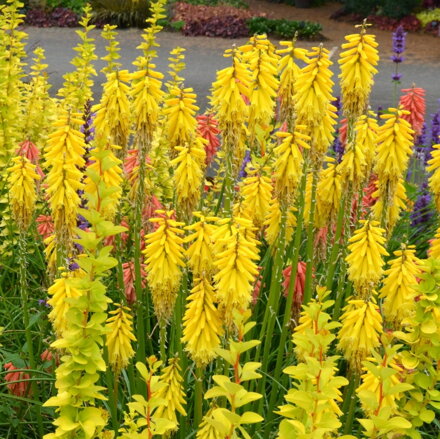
(119, 338)
(22, 192)
(163, 260)
(366, 256)
(358, 66)
(64, 158)
(360, 332)
(202, 326)
(399, 285)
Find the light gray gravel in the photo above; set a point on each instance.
(204, 57)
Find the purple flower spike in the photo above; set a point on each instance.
(435, 128)
(399, 40)
(422, 212)
(73, 266)
(246, 160)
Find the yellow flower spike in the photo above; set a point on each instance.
(353, 166)
(394, 140)
(365, 259)
(264, 84)
(289, 71)
(308, 197)
(64, 158)
(256, 191)
(22, 192)
(360, 332)
(207, 428)
(289, 162)
(200, 253)
(189, 166)
(202, 325)
(366, 129)
(60, 291)
(112, 121)
(172, 392)
(434, 179)
(180, 121)
(273, 222)
(399, 286)
(328, 193)
(358, 64)
(395, 203)
(164, 259)
(232, 83)
(176, 65)
(119, 338)
(434, 250)
(237, 269)
(313, 97)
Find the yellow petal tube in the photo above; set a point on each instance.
(189, 166)
(64, 158)
(360, 332)
(358, 64)
(22, 193)
(200, 253)
(237, 269)
(202, 325)
(163, 260)
(289, 162)
(399, 286)
(434, 179)
(119, 338)
(256, 191)
(365, 259)
(172, 392)
(289, 71)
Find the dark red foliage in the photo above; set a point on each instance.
(410, 23)
(213, 21)
(226, 27)
(59, 17)
(428, 4)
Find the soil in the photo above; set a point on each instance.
(420, 48)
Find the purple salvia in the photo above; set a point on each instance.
(422, 212)
(435, 128)
(399, 40)
(246, 160)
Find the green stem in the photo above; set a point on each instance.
(308, 287)
(162, 340)
(198, 397)
(289, 301)
(26, 320)
(112, 400)
(333, 260)
(229, 183)
(271, 312)
(349, 403)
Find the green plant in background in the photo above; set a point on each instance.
(284, 28)
(75, 5)
(235, 3)
(428, 16)
(124, 13)
(389, 8)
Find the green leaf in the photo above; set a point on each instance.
(250, 418)
(427, 416)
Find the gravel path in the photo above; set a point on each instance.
(204, 57)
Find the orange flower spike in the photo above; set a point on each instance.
(414, 102)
